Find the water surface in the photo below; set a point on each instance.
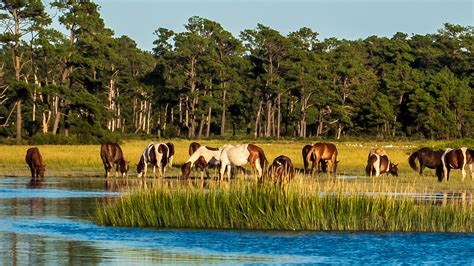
(48, 223)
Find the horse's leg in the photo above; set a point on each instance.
(471, 167)
(447, 173)
(315, 162)
(258, 168)
(222, 171)
(422, 166)
(228, 170)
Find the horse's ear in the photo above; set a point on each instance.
(337, 161)
(397, 164)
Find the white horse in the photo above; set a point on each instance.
(156, 155)
(241, 155)
(202, 158)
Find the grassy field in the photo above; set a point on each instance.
(84, 160)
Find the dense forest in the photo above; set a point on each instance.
(204, 82)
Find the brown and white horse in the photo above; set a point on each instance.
(35, 161)
(281, 169)
(455, 159)
(380, 164)
(203, 157)
(323, 151)
(112, 155)
(240, 155)
(157, 156)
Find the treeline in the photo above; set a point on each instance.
(205, 82)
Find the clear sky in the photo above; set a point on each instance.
(340, 18)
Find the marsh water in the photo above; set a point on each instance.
(49, 223)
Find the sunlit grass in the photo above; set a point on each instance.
(268, 207)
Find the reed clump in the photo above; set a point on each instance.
(270, 207)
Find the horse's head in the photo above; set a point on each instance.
(394, 169)
(334, 166)
(141, 167)
(124, 167)
(41, 170)
(186, 170)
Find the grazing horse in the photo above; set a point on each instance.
(111, 154)
(240, 155)
(378, 151)
(157, 156)
(203, 158)
(281, 169)
(323, 151)
(380, 164)
(454, 159)
(426, 158)
(35, 162)
(306, 160)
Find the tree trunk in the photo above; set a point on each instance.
(279, 116)
(223, 112)
(257, 120)
(208, 129)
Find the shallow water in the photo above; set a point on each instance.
(48, 223)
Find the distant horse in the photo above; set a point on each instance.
(378, 151)
(306, 160)
(426, 158)
(281, 169)
(323, 151)
(240, 155)
(203, 158)
(157, 156)
(454, 159)
(35, 162)
(380, 164)
(112, 155)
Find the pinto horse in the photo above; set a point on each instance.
(281, 169)
(306, 160)
(455, 159)
(112, 155)
(426, 158)
(202, 157)
(323, 151)
(380, 164)
(35, 162)
(157, 156)
(240, 155)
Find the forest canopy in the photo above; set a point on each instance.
(90, 85)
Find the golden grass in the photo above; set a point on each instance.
(84, 160)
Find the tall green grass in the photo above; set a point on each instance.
(268, 207)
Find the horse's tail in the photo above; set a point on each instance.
(412, 160)
(309, 155)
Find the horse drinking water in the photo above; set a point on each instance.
(157, 156)
(202, 157)
(35, 162)
(281, 169)
(112, 155)
(380, 164)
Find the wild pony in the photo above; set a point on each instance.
(240, 155)
(281, 169)
(380, 164)
(157, 156)
(203, 158)
(35, 162)
(378, 151)
(323, 151)
(306, 160)
(112, 155)
(426, 158)
(455, 159)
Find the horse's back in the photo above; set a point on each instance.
(325, 150)
(237, 155)
(111, 152)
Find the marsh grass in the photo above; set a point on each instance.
(245, 205)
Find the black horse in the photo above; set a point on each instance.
(426, 158)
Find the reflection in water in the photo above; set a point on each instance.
(48, 223)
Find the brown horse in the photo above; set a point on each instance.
(426, 158)
(380, 164)
(112, 155)
(281, 169)
(323, 165)
(323, 151)
(454, 159)
(35, 162)
(170, 153)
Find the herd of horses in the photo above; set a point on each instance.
(229, 158)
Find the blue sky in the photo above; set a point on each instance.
(340, 18)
